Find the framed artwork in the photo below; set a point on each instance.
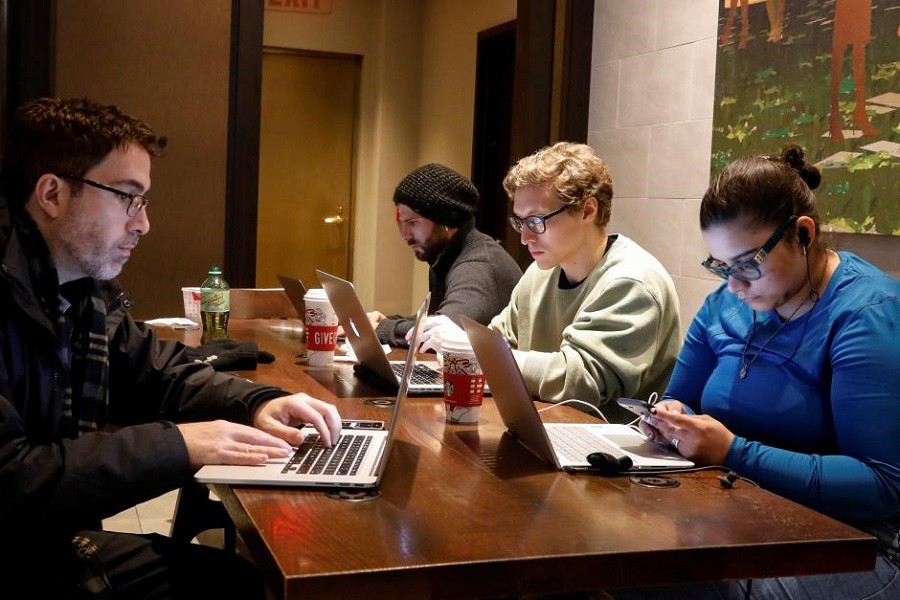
(823, 74)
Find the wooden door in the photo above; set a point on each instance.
(308, 119)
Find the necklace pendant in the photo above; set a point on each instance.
(743, 372)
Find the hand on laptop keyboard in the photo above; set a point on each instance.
(437, 328)
(226, 443)
(280, 417)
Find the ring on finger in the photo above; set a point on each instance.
(675, 442)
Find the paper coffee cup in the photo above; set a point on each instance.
(463, 381)
(191, 297)
(321, 328)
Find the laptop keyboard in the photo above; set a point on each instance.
(421, 375)
(343, 458)
(575, 444)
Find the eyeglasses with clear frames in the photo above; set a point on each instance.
(536, 223)
(749, 270)
(136, 202)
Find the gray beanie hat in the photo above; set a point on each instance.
(439, 194)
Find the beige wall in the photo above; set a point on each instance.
(416, 106)
(449, 45)
(165, 62)
(652, 86)
(450, 42)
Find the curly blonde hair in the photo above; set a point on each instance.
(572, 171)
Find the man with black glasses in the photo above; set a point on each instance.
(596, 316)
(97, 413)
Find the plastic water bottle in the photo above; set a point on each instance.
(215, 306)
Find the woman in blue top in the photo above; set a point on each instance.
(789, 372)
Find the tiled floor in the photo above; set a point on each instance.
(155, 516)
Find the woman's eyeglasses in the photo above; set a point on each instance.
(749, 270)
(136, 202)
(535, 223)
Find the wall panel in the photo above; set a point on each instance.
(167, 63)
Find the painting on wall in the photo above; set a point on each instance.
(823, 74)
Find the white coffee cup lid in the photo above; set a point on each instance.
(315, 294)
(456, 344)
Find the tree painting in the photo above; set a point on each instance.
(824, 74)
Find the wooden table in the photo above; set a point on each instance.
(465, 511)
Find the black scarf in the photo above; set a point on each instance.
(81, 331)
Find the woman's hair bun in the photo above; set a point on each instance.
(794, 157)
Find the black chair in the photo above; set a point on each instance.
(195, 512)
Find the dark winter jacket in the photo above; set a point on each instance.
(52, 486)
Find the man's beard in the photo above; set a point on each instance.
(84, 244)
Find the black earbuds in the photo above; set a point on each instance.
(727, 480)
(803, 235)
(607, 464)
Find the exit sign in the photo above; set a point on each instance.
(322, 7)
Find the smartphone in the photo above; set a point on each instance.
(362, 424)
(638, 407)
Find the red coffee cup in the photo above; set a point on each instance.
(321, 328)
(463, 381)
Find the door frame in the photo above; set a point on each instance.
(492, 126)
(27, 51)
(242, 171)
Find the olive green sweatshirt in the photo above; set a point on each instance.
(615, 334)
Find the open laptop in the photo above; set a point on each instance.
(560, 444)
(427, 379)
(358, 458)
(295, 291)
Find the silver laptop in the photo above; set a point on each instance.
(357, 459)
(295, 291)
(560, 444)
(373, 364)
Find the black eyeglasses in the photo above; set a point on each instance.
(136, 202)
(749, 270)
(535, 223)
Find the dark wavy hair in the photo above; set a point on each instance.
(50, 135)
(763, 190)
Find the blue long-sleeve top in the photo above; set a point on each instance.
(817, 418)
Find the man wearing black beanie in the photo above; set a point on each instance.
(469, 273)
